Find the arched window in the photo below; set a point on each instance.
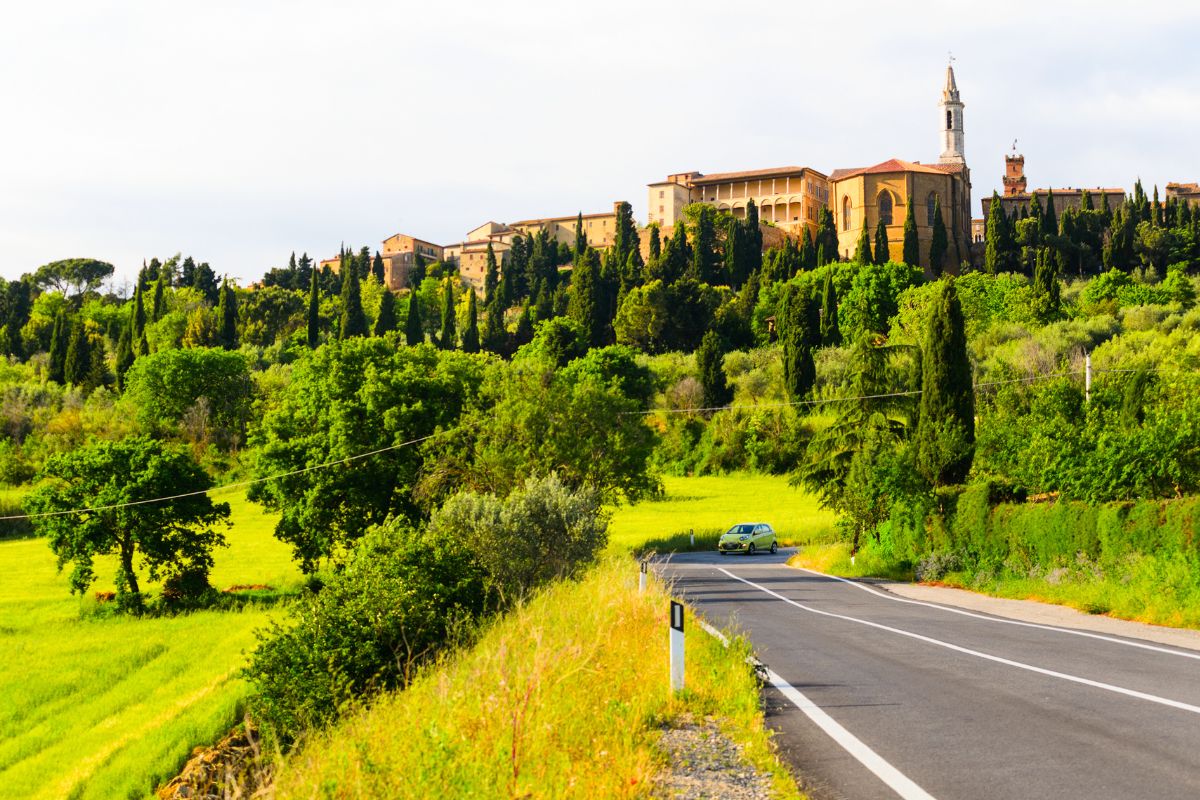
(930, 205)
(885, 207)
(949, 120)
(845, 213)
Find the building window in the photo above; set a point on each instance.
(660, 209)
(845, 213)
(885, 207)
(930, 206)
(949, 120)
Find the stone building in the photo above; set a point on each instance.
(1015, 196)
(863, 196)
(398, 254)
(1187, 192)
(788, 197)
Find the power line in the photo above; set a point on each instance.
(237, 484)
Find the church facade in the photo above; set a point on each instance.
(862, 196)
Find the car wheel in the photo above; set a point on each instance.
(751, 549)
(774, 547)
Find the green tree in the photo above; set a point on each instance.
(414, 331)
(882, 255)
(1047, 292)
(862, 253)
(999, 255)
(377, 267)
(60, 340)
(137, 322)
(354, 320)
(491, 276)
(655, 242)
(703, 266)
(448, 337)
(753, 235)
(227, 318)
(937, 241)
(73, 277)
(385, 320)
(709, 358)
(585, 306)
(168, 385)
(1049, 219)
(495, 336)
(171, 540)
(470, 337)
(827, 238)
(912, 245)
(831, 334)
(945, 435)
(581, 242)
(347, 398)
(797, 332)
(159, 304)
(124, 358)
(78, 364)
(314, 311)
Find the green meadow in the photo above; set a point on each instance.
(99, 706)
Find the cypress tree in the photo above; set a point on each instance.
(59, 341)
(470, 337)
(414, 334)
(385, 320)
(1047, 292)
(1085, 201)
(523, 335)
(937, 241)
(912, 245)
(808, 253)
(158, 306)
(227, 318)
(586, 305)
(79, 357)
(580, 238)
(494, 334)
(124, 358)
(655, 242)
(354, 321)
(1049, 224)
(137, 322)
(491, 275)
(448, 338)
(377, 267)
(945, 434)
(712, 375)
(753, 235)
(995, 251)
(314, 311)
(821, 260)
(797, 334)
(826, 236)
(676, 255)
(862, 253)
(881, 243)
(704, 247)
(830, 331)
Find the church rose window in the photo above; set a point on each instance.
(885, 207)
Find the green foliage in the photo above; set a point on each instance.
(448, 336)
(585, 306)
(831, 333)
(1047, 292)
(414, 332)
(169, 539)
(344, 399)
(881, 244)
(73, 277)
(385, 320)
(542, 531)
(946, 429)
(799, 331)
(862, 251)
(399, 600)
(227, 318)
(911, 254)
(470, 338)
(354, 320)
(210, 386)
(937, 241)
(712, 377)
(872, 298)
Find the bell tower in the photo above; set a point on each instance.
(951, 122)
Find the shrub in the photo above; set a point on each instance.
(538, 533)
(399, 601)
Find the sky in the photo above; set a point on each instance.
(239, 132)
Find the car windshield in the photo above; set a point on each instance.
(740, 530)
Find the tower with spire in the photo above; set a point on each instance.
(951, 121)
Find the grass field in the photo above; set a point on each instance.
(563, 698)
(710, 505)
(94, 706)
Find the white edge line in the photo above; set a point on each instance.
(1002, 620)
(896, 780)
(1166, 701)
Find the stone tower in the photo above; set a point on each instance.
(1014, 174)
(952, 122)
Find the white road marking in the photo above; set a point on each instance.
(896, 780)
(1003, 621)
(1108, 687)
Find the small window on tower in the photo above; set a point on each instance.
(949, 120)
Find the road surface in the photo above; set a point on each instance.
(876, 696)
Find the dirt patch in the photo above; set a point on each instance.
(248, 587)
(232, 769)
(705, 763)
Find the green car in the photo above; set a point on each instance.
(748, 538)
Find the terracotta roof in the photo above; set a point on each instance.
(1069, 191)
(722, 177)
(563, 219)
(895, 165)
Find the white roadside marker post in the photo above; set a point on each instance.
(642, 577)
(693, 533)
(676, 640)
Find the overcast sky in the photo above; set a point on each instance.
(238, 132)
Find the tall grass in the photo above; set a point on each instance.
(98, 706)
(563, 698)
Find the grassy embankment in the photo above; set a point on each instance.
(563, 698)
(98, 706)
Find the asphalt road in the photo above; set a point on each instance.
(950, 705)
